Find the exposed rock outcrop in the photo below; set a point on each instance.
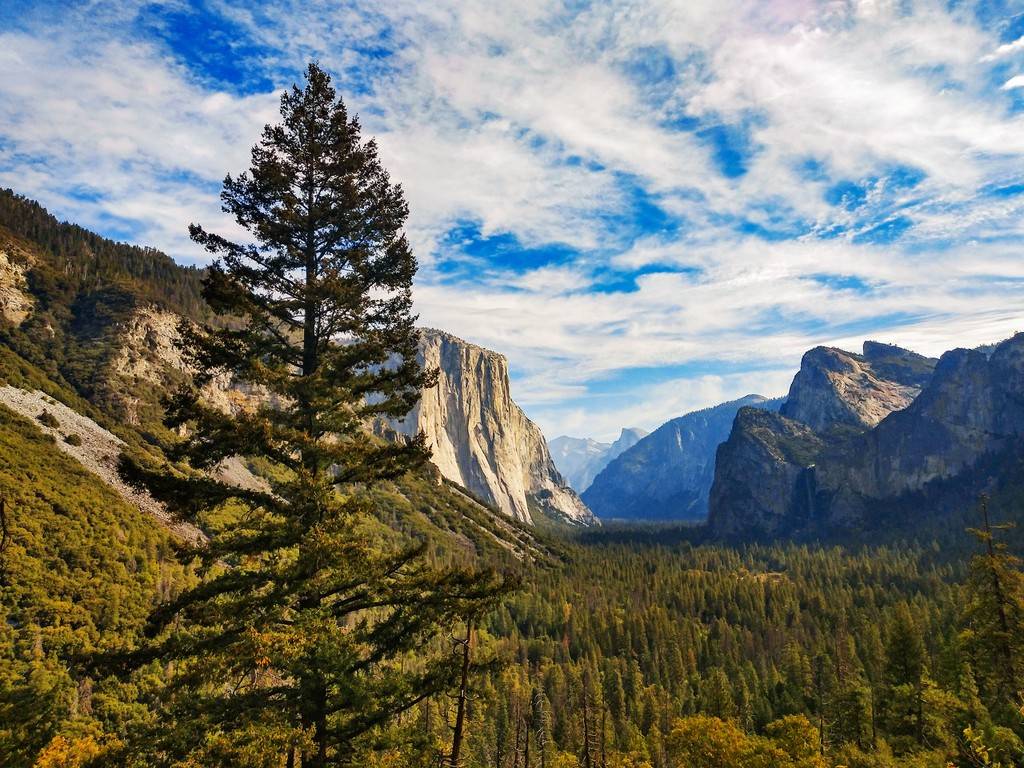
(481, 439)
(972, 407)
(146, 362)
(835, 388)
(15, 300)
(667, 475)
(580, 460)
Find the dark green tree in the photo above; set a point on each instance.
(905, 669)
(994, 618)
(311, 626)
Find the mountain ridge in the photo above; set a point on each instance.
(903, 470)
(581, 459)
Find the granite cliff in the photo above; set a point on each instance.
(481, 439)
(835, 388)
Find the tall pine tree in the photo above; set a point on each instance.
(994, 617)
(307, 630)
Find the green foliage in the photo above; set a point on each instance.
(83, 288)
(854, 655)
(74, 261)
(994, 619)
(81, 572)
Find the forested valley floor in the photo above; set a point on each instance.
(636, 647)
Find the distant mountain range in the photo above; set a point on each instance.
(883, 440)
(581, 459)
(667, 475)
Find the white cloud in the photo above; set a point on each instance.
(116, 131)
(1006, 49)
(1017, 81)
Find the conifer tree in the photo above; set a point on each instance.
(905, 668)
(307, 630)
(995, 617)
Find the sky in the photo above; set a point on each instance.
(648, 206)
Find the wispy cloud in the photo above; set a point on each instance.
(648, 207)
(1006, 49)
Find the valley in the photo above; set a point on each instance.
(629, 645)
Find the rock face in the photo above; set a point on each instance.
(15, 300)
(667, 475)
(759, 472)
(911, 467)
(836, 388)
(973, 408)
(146, 362)
(580, 460)
(481, 439)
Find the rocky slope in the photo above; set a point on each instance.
(667, 475)
(911, 467)
(92, 446)
(580, 459)
(835, 388)
(481, 439)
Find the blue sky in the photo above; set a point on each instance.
(649, 206)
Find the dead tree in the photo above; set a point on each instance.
(5, 541)
(540, 718)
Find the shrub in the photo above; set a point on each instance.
(73, 439)
(47, 419)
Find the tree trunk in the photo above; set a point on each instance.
(463, 697)
(587, 759)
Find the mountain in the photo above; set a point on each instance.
(580, 460)
(667, 475)
(100, 319)
(481, 439)
(835, 388)
(958, 436)
(573, 455)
